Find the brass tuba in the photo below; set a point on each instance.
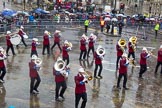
(122, 44)
(133, 41)
(59, 64)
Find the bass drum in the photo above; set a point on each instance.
(15, 39)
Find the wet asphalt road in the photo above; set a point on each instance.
(144, 93)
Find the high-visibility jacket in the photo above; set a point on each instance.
(157, 26)
(86, 22)
(102, 23)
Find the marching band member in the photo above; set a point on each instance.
(65, 50)
(80, 88)
(34, 47)
(2, 65)
(91, 45)
(60, 79)
(98, 63)
(143, 64)
(123, 71)
(131, 50)
(57, 40)
(46, 42)
(119, 54)
(21, 33)
(9, 44)
(159, 60)
(83, 48)
(34, 75)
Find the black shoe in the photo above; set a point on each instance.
(118, 87)
(62, 98)
(125, 88)
(7, 55)
(57, 99)
(2, 81)
(35, 90)
(100, 77)
(96, 77)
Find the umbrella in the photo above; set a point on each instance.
(135, 15)
(120, 15)
(23, 13)
(152, 19)
(114, 19)
(107, 19)
(8, 12)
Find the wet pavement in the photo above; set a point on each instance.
(102, 93)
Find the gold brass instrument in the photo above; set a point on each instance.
(38, 61)
(100, 51)
(59, 64)
(122, 44)
(133, 41)
(70, 45)
(85, 37)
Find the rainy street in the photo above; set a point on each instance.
(142, 93)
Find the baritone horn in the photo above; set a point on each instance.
(100, 51)
(59, 64)
(122, 44)
(133, 41)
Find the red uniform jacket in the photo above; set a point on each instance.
(32, 70)
(119, 51)
(123, 67)
(130, 47)
(21, 32)
(91, 42)
(98, 60)
(83, 44)
(143, 58)
(79, 89)
(34, 46)
(65, 51)
(8, 42)
(58, 77)
(46, 40)
(56, 38)
(159, 59)
(2, 65)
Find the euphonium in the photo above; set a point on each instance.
(59, 64)
(122, 44)
(133, 41)
(100, 51)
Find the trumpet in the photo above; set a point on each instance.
(122, 44)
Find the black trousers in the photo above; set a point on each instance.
(102, 27)
(12, 49)
(46, 47)
(117, 61)
(143, 69)
(124, 81)
(58, 86)
(96, 68)
(131, 53)
(120, 31)
(77, 99)
(56, 43)
(34, 83)
(66, 59)
(86, 27)
(157, 66)
(83, 52)
(89, 49)
(23, 41)
(3, 72)
(34, 52)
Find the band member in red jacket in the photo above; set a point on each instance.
(131, 50)
(34, 47)
(83, 48)
(123, 71)
(91, 44)
(60, 79)
(21, 33)
(9, 44)
(46, 42)
(159, 60)
(57, 40)
(119, 54)
(65, 49)
(34, 75)
(143, 64)
(2, 65)
(80, 88)
(98, 62)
